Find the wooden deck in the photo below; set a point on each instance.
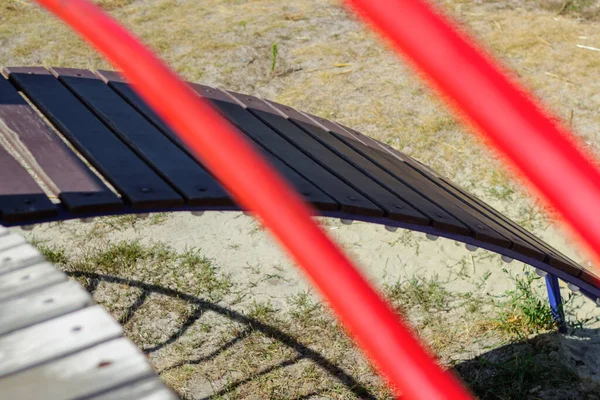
(55, 343)
(114, 155)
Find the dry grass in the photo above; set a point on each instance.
(185, 315)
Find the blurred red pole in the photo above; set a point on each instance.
(546, 154)
(256, 186)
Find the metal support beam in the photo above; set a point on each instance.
(556, 303)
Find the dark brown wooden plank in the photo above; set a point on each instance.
(442, 217)
(21, 199)
(351, 200)
(135, 180)
(79, 189)
(311, 193)
(124, 89)
(590, 278)
(393, 206)
(191, 180)
(556, 259)
(521, 243)
(392, 159)
(372, 143)
(524, 241)
(472, 216)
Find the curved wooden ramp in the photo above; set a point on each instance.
(113, 155)
(55, 343)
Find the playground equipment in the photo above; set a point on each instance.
(491, 102)
(341, 172)
(122, 158)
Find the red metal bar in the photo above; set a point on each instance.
(546, 154)
(374, 325)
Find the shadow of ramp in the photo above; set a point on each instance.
(303, 352)
(548, 366)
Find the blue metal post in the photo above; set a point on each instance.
(556, 302)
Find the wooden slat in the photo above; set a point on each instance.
(18, 257)
(41, 305)
(11, 240)
(349, 198)
(523, 241)
(148, 389)
(196, 185)
(394, 206)
(21, 198)
(444, 217)
(56, 165)
(85, 373)
(520, 243)
(478, 217)
(30, 278)
(485, 228)
(401, 164)
(304, 186)
(372, 143)
(124, 89)
(56, 338)
(556, 259)
(133, 178)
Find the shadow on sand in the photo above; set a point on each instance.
(548, 366)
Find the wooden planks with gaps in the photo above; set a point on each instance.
(307, 188)
(50, 159)
(339, 170)
(56, 344)
(168, 160)
(21, 198)
(139, 185)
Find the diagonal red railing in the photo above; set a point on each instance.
(545, 154)
(256, 186)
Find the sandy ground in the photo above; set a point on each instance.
(238, 247)
(237, 244)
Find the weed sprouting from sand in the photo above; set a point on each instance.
(428, 294)
(154, 263)
(522, 310)
(304, 307)
(54, 254)
(274, 52)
